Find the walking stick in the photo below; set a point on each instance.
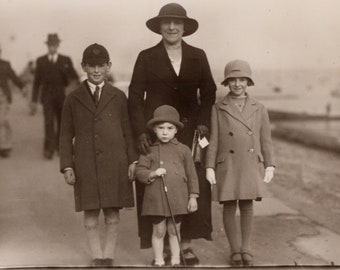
(173, 219)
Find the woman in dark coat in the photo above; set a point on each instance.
(176, 74)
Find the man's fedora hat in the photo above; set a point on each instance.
(52, 39)
(173, 11)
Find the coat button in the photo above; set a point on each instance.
(251, 150)
(98, 152)
(250, 133)
(231, 134)
(231, 151)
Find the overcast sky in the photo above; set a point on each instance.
(267, 33)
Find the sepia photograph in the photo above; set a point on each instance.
(182, 133)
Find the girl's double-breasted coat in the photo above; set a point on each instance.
(180, 179)
(97, 142)
(240, 148)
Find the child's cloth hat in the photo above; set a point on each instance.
(237, 69)
(165, 113)
(95, 54)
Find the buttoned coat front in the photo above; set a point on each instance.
(240, 148)
(155, 83)
(97, 142)
(181, 178)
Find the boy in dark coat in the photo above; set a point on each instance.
(96, 148)
(172, 160)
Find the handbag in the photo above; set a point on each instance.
(196, 150)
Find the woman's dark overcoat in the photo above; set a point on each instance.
(154, 83)
(97, 142)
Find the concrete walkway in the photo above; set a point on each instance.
(39, 227)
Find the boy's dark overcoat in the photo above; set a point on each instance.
(240, 148)
(102, 149)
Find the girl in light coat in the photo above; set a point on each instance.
(241, 155)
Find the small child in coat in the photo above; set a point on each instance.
(241, 154)
(96, 148)
(172, 160)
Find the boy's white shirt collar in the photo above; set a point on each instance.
(93, 87)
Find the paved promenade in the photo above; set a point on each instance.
(39, 227)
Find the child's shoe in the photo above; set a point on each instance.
(107, 262)
(158, 263)
(96, 262)
(236, 259)
(247, 258)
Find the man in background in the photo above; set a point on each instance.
(54, 73)
(6, 74)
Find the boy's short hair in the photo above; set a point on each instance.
(95, 54)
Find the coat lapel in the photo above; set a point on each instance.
(105, 98)
(189, 60)
(249, 109)
(84, 97)
(161, 65)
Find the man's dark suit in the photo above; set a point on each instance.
(49, 85)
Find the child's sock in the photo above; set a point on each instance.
(246, 211)
(111, 232)
(157, 239)
(174, 245)
(175, 260)
(92, 233)
(229, 222)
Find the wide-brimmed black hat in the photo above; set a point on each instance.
(173, 11)
(52, 39)
(95, 54)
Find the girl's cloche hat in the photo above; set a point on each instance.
(173, 11)
(237, 69)
(165, 113)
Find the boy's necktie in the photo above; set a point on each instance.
(96, 96)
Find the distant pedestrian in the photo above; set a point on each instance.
(6, 74)
(241, 154)
(53, 73)
(96, 148)
(172, 160)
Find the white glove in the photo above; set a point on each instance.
(269, 174)
(210, 176)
